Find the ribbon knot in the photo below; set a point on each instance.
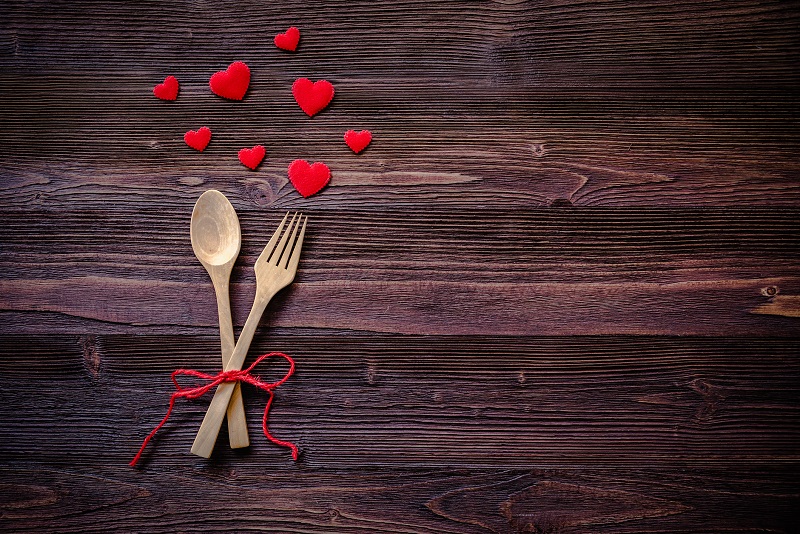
(233, 375)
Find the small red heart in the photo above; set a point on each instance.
(308, 179)
(312, 97)
(167, 90)
(198, 140)
(251, 157)
(357, 141)
(288, 40)
(231, 83)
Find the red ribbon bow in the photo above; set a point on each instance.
(215, 380)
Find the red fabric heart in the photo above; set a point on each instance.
(288, 40)
(167, 90)
(312, 97)
(308, 179)
(357, 141)
(251, 157)
(231, 83)
(198, 140)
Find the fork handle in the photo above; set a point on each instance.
(209, 429)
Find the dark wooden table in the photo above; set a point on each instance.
(559, 292)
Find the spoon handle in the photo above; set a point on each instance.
(209, 429)
(237, 425)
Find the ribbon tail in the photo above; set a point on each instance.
(153, 433)
(272, 438)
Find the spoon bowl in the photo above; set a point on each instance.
(215, 231)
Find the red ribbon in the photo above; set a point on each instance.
(215, 380)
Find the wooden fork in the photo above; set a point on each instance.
(275, 269)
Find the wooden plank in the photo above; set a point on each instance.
(557, 43)
(618, 113)
(720, 307)
(746, 498)
(543, 272)
(477, 146)
(410, 401)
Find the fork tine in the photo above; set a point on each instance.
(297, 246)
(276, 254)
(274, 239)
(285, 256)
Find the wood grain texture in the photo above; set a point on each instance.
(427, 501)
(377, 400)
(424, 501)
(682, 428)
(557, 293)
(479, 147)
(560, 43)
(486, 103)
(629, 271)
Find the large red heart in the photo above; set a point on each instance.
(288, 40)
(251, 157)
(357, 141)
(312, 97)
(308, 179)
(198, 140)
(231, 83)
(167, 90)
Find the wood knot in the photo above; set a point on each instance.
(769, 291)
(91, 356)
(260, 194)
(371, 374)
(538, 150)
(711, 398)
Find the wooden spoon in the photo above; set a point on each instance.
(216, 240)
